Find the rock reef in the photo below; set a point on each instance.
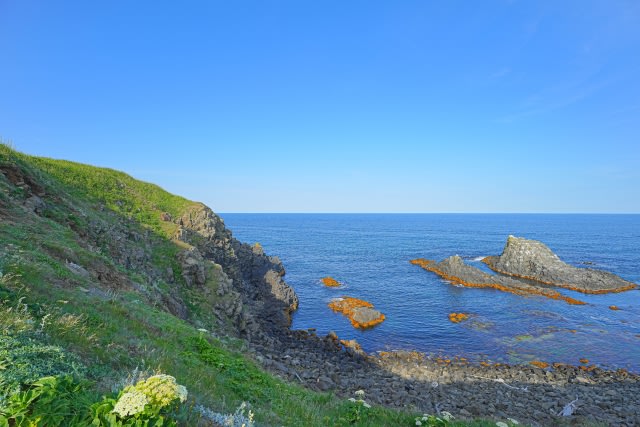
(457, 272)
(527, 267)
(533, 260)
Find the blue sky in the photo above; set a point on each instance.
(336, 106)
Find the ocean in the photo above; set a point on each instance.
(370, 253)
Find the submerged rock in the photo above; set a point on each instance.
(330, 282)
(533, 260)
(458, 317)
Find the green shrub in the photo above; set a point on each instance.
(24, 360)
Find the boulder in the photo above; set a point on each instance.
(361, 313)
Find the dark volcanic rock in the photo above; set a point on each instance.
(531, 259)
(255, 276)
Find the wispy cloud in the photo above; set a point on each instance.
(503, 72)
(559, 96)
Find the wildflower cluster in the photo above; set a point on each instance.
(161, 389)
(130, 403)
(441, 420)
(158, 391)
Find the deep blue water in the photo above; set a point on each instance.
(370, 254)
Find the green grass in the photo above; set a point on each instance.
(114, 331)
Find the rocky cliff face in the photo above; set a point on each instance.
(255, 277)
(531, 259)
(245, 287)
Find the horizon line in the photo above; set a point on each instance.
(428, 213)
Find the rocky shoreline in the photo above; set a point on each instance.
(414, 381)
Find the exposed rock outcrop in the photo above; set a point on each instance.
(256, 277)
(457, 272)
(193, 269)
(533, 260)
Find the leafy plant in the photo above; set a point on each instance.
(358, 408)
(51, 401)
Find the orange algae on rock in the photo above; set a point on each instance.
(354, 309)
(489, 262)
(330, 282)
(353, 344)
(539, 364)
(585, 361)
(614, 307)
(429, 265)
(458, 317)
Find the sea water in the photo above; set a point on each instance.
(369, 254)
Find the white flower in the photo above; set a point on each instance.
(447, 415)
(512, 421)
(182, 393)
(202, 330)
(418, 423)
(359, 393)
(366, 405)
(352, 399)
(130, 403)
(425, 418)
(502, 424)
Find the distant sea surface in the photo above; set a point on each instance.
(370, 253)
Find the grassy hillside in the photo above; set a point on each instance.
(95, 336)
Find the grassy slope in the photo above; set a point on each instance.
(115, 331)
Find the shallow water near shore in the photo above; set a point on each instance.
(370, 253)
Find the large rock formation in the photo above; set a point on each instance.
(457, 272)
(256, 277)
(533, 260)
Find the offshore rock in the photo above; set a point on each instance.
(533, 260)
(361, 313)
(456, 271)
